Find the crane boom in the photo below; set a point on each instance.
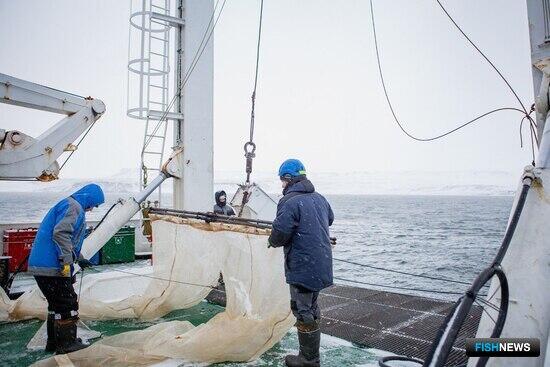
(23, 157)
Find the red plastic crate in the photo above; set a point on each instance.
(18, 244)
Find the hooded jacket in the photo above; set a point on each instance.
(302, 228)
(222, 208)
(61, 233)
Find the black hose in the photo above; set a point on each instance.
(449, 329)
(513, 224)
(106, 214)
(382, 361)
(17, 271)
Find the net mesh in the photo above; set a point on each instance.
(188, 257)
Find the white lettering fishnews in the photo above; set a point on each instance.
(515, 347)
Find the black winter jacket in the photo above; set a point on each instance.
(302, 227)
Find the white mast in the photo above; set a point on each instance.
(152, 62)
(527, 262)
(194, 132)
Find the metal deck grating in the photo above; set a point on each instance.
(397, 323)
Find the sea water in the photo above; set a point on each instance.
(440, 236)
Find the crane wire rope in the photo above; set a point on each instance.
(250, 146)
(77, 145)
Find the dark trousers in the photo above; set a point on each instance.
(303, 304)
(60, 294)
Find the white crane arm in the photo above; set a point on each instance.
(125, 209)
(23, 157)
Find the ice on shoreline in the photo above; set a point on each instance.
(484, 183)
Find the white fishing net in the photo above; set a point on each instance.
(191, 254)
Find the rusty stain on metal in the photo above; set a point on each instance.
(539, 189)
(70, 148)
(48, 150)
(47, 177)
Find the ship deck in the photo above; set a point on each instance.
(397, 323)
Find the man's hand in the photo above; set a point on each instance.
(278, 238)
(66, 270)
(84, 263)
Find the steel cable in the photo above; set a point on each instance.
(398, 287)
(392, 110)
(200, 50)
(402, 272)
(482, 55)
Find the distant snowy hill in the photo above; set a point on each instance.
(351, 183)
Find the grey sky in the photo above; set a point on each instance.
(319, 95)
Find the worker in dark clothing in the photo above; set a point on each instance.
(302, 229)
(221, 206)
(55, 250)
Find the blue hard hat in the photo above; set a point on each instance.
(292, 168)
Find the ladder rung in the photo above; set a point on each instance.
(160, 39)
(147, 152)
(158, 7)
(156, 53)
(155, 136)
(159, 70)
(159, 103)
(152, 169)
(158, 86)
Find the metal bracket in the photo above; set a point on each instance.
(23, 157)
(157, 115)
(172, 21)
(172, 166)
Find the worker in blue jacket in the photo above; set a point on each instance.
(55, 250)
(302, 229)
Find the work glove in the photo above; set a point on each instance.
(84, 263)
(66, 270)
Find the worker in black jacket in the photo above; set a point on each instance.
(302, 229)
(221, 206)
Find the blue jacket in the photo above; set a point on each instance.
(302, 227)
(61, 233)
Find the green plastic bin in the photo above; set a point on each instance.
(121, 248)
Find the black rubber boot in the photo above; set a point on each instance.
(50, 343)
(309, 350)
(65, 336)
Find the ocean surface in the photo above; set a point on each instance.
(440, 236)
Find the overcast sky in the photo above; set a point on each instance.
(319, 95)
